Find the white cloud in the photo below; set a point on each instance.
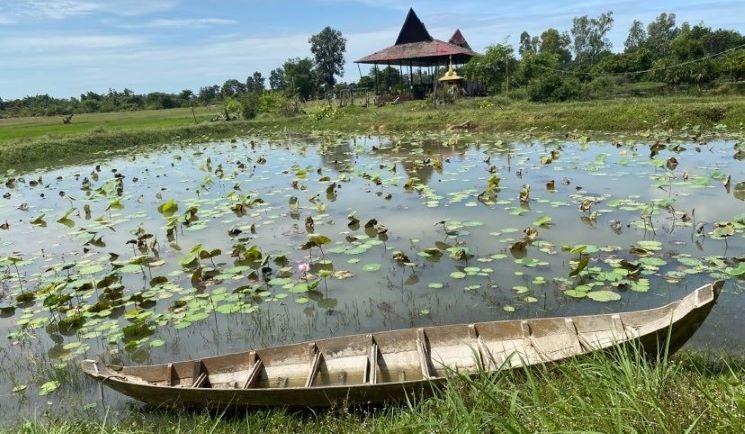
(183, 23)
(74, 43)
(93, 62)
(61, 9)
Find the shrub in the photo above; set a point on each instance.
(553, 87)
(272, 103)
(233, 108)
(326, 112)
(249, 105)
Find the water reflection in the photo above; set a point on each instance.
(120, 255)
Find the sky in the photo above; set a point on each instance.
(66, 47)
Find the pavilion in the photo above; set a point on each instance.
(415, 47)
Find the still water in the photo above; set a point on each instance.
(195, 250)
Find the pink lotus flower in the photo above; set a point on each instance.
(303, 267)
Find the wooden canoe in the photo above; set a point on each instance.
(391, 365)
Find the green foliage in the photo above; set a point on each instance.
(249, 105)
(732, 66)
(255, 83)
(616, 392)
(533, 66)
(328, 48)
(272, 103)
(233, 107)
(554, 87)
(590, 37)
(493, 67)
(91, 102)
(232, 88)
(553, 42)
(301, 78)
(327, 112)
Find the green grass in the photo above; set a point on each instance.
(35, 142)
(500, 114)
(52, 128)
(606, 393)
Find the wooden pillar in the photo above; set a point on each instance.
(401, 73)
(411, 76)
(375, 67)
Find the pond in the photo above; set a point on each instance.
(195, 250)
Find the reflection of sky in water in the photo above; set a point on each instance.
(395, 296)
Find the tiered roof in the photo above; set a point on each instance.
(415, 46)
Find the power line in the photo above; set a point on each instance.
(644, 71)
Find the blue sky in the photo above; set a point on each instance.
(65, 47)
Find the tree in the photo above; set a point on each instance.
(685, 63)
(637, 37)
(255, 83)
(328, 47)
(554, 87)
(590, 36)
(389, 78)
(553, 42)
(185, 95)
(660, 33)
(528, 45)
(208, 94)
(492, 69)
(232, 87)
(720, 40)
(732, 65)
(534, 66)
(277, 79)
(300, 77)
(160, 100)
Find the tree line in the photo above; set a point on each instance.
(658, 57)
(302, 78)
(580, 63)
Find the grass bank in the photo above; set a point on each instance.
(607, 393)
(52, 128)
(35, 142)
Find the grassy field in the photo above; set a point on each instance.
(613, 393)
(52, 128)
(33, 142)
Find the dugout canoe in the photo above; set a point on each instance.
(391, 365)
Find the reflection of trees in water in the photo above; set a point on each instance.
(417, 157)
(339, 156)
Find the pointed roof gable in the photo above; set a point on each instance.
(416, 47)
(413, 30)
(459, 40)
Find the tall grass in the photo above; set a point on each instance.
(613, 393)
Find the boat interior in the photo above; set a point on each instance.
(405, 355)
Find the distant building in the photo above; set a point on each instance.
(415, 47)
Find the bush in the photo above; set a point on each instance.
(326, 112)
(272, 103)
(249, 105)
(232, 108)
(553, 87)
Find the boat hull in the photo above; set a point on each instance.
(668, 329)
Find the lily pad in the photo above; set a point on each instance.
(603, 296)
(371, 267)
